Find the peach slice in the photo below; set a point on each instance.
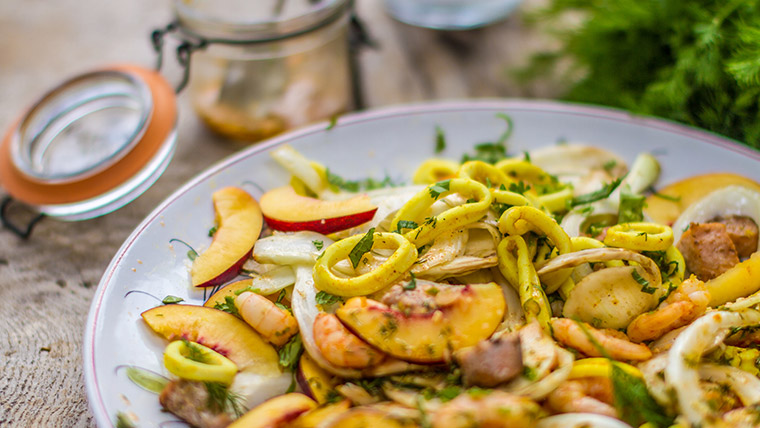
(218, 330)
(364, 417)
(227, 291)
(239, 223)
(313, 380)
(286, 210)
(276, 412)
(321, 416)
(473, 315)
(689, 191)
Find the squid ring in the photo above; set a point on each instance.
(427, 229)
(640, 236)
(484, 173)
(434, 170)
(510, 198)
(208, 365)
(390, 271)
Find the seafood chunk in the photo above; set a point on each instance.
(491, 362)
(708, 250)
(189, 400)
(495, 409)
(743, 233)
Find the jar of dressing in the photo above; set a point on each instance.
(265, 66)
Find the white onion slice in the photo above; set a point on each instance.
(290, 248)
(581, 420)
(727, 201)
(681, 373)
(305, 310)
(538, 390)
(298, 165)
(274, 280)
(745, 385)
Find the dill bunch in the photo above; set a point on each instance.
(696, 61)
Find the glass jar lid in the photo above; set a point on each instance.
(250, 21)
(92, 144)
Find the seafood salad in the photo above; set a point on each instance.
(556, 288)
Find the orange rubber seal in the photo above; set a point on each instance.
(161, 124)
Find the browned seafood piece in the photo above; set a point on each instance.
(189, 400)
(708, 250)
(491, 362)
(743, 233)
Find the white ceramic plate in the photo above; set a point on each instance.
(393, 141)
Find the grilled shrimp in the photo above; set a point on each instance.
(275, 324)
(576, 334)
(341, 347)
(495, 409)
(584, 395)
(683, 306)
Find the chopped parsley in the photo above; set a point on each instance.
(325, 298)
(600, 194)
(213, 230)
(609, 165)
(645, 288)
(279, 304)
(633, 401)
(520, 187)
(440, 140)
(171, 300)
(440, 187)
(362, 247)
(123, 421)
(337, 182)
(631, 206)
(333, 122)
(405, 224)
(228, 306)
(290, 352)
(318, 244)
(412, 284)
(526, 156)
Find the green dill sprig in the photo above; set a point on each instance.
(228, 306)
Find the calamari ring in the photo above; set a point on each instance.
(556, 201)
(484, 173)
(430, 228)
(522, 170)
(434, 170)
(640, 236)
(387, 273)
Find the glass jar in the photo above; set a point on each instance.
(267, 65)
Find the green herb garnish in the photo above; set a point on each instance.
(146, 379)
(440, 187)
(318, 245)
(228, 306)
(123, 421)
(645, 288)
(412, 284)
(633, 401)
(362, 247)
(520, 187)
(291, 352)
(440, 140)
(194, 352)
(598, 195)
(325, 298)
(221, 399)
(213, 230)
(631, 208)
(405, 224)
(171, 300)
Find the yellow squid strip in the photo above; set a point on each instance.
(640, 236)
(509, 198)
(484, 173)
(434, 170)
(508, 263)
(521, 220)
(384, 275)
(522, 170)
(556, 201)
(453, 218)
(532, 296)
(600, 367)
(584, 243)
(673, 255)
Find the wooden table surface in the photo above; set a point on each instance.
(48, 281)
